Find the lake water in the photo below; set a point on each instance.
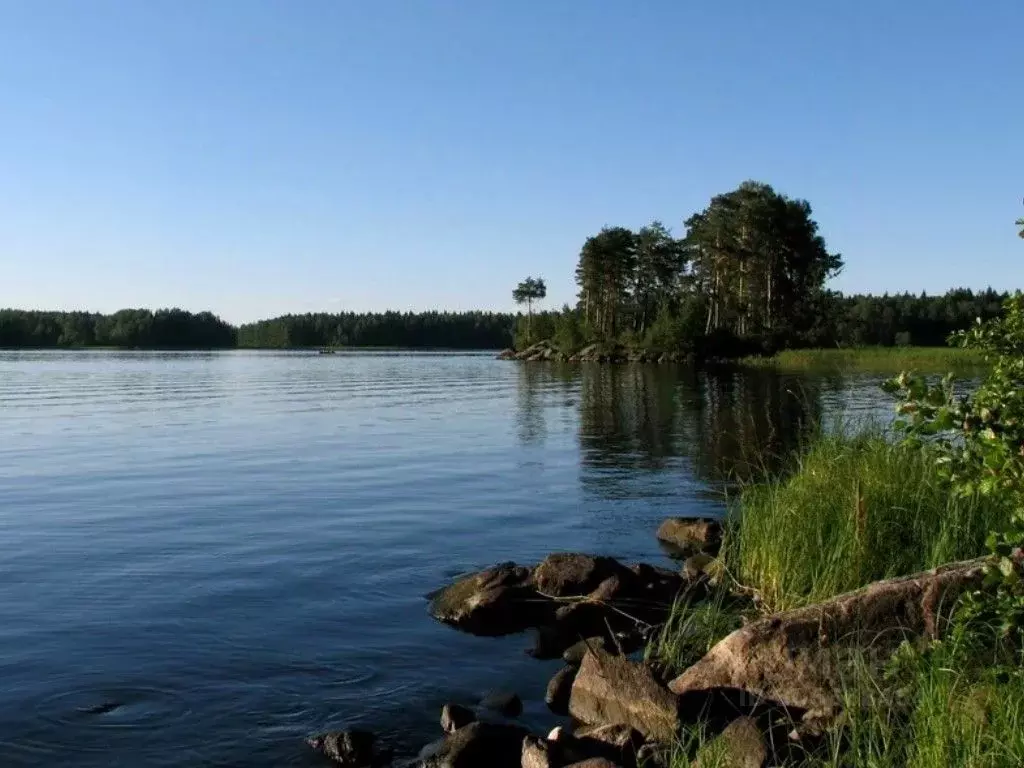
(206, 557)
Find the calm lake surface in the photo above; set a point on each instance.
(205, 557)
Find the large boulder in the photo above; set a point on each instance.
(690, 535)
(479, 745)
(350, 749)
(496, 601)
(799, 659)
(612, 690)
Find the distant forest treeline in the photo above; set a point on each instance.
(846, 321)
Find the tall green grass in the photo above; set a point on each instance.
(857, 509)
(873, 360)
(941, 713)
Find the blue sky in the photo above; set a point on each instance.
(257, 157)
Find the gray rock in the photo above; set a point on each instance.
(612, 690)
(351, 749)
(559, 690)
(574, 653)
(570, 574)
(689, 535)
(455, 716)
(496, 601)
(480, 745)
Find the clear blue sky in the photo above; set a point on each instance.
(257, 157)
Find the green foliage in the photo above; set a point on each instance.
(128, 328)
(976, 444)
(758, 258)
(691, 630)
(856, 509)
(754, 262)
(451, 330)
(530, 290)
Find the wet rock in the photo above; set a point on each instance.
(740, 745)
(559, 690)
(351, 749)
(689, 535)
(503, 702)
(507, 354)
(574, 654)
(568, 574)
(480, 745)
(612, 690)
(497, 601)
(798, 659)
(454, 716)
(550, 641)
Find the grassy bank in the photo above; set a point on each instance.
(872, 360)
(858, 508)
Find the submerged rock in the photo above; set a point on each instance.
(612, 690)
(690, 535)
(503, 702)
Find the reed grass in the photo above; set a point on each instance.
(873, 360)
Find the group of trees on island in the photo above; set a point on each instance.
(748, 275)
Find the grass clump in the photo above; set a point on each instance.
(691, 630)
(873, 360)
(857, 509)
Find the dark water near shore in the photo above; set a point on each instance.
(206, 557)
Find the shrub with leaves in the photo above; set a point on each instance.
(977, 442)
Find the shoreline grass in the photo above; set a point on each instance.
(858, 507)
(872, 360)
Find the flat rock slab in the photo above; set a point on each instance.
(612, 690)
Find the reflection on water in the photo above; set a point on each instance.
(725, 424)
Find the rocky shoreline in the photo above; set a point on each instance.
(770, 690)
(592, 353)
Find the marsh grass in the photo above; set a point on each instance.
(857, 508)
(873, 360)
